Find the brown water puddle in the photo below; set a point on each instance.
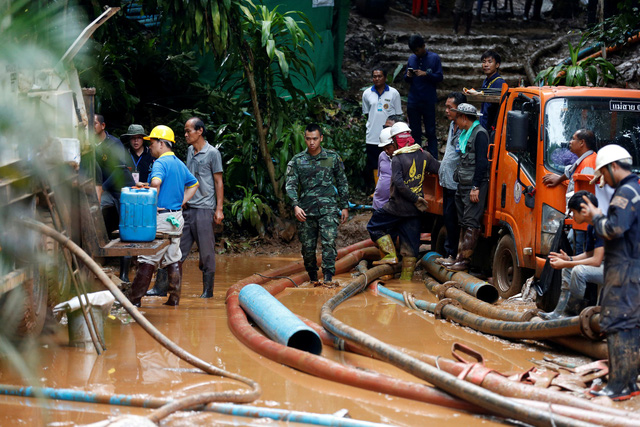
(135, 364)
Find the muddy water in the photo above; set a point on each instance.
(135, 364)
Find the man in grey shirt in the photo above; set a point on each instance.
(205, 208)
(449, 186)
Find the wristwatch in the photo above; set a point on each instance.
(474, 188)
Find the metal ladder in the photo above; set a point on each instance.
(73, 267)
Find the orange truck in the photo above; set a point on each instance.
(532, 132)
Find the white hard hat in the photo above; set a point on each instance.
(399, 128)
(609, 154)
(385, 137)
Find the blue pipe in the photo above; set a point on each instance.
(221, 408)
(471, 285)
(422, 305)
(277, 321)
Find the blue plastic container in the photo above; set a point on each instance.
(138, 207)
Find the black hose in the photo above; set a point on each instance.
(226, 396)
(491, 401)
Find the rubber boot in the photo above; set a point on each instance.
(456, 21)
(451, 260)
(161, 284)
(207, 285)
(328, 277)
(313, 276)
(125, 264)
(465, 250)
(621, 366)
(561, 307)
(141, 283)
(175, 283)
(408, 267)
(387, 249)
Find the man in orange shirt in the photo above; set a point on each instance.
(583, 145)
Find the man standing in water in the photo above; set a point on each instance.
(318, 189)
(176, 186)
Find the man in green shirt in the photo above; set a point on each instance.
(318, 189)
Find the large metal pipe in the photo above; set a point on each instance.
(465, 390)
(277, 321)
(476, 305)
(471, 285)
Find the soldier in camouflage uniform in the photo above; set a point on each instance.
(317, 172)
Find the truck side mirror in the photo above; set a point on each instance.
(517, 131)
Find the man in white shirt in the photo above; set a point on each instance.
(378, 102)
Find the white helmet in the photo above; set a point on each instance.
(385, 137)
(609, 154)
(399, 128)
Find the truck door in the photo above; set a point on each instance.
(512, 202)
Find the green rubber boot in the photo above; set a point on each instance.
(408, 267)
(388, 249)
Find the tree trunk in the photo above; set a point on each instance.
(248, 64)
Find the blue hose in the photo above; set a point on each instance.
(221, 408)
(422, 305)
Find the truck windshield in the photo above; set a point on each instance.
(614, 121)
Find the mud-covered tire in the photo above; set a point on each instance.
(508, 278)
(24, 309)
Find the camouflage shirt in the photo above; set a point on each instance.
(317, 178)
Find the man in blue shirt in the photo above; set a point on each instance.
(424, 72)
(490, 64)
(176, 186)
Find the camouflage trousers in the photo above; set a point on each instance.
(325, 226)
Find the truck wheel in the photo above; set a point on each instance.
(507, 276)
(24, 309)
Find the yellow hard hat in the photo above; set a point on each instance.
(161, 132)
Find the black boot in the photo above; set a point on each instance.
(161, 284)
(456, 21)
(622, 366)
(141, 283)
(313, 276)
(465, 250)
(469, 18)
(175, 283)
(561, 307)
(328, 277)
(635, 344)
(125, 263)
(207, 285)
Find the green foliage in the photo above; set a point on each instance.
(594, 71)
(616, 30)
(251, 209)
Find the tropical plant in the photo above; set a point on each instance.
(252, 208)
(617, 29)
(595, 71)
(266, 43)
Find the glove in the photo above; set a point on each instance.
(422, 204)
(173, 221)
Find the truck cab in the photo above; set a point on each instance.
(531, 138)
